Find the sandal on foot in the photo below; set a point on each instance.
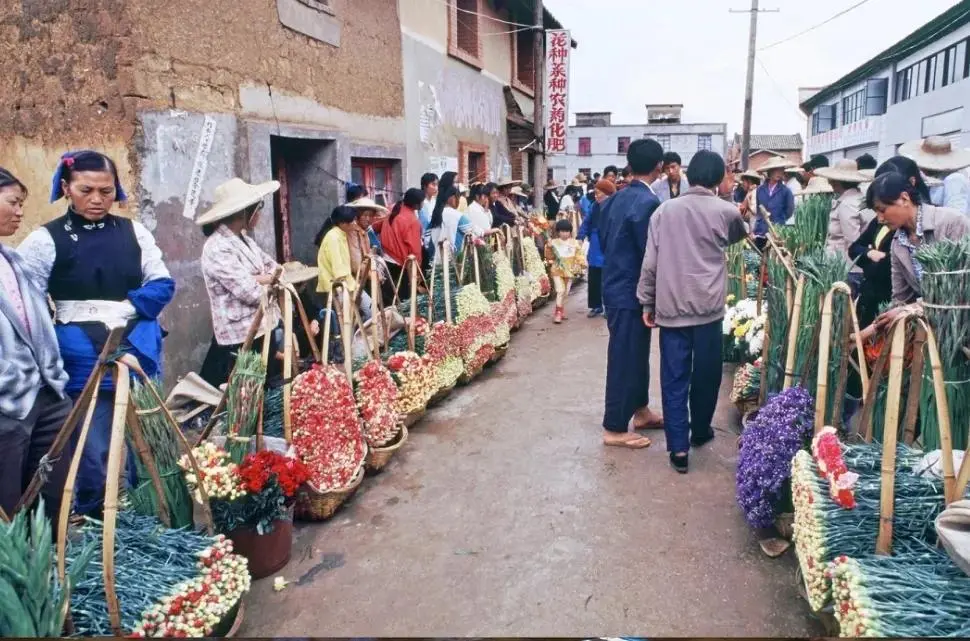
(702, 439)
(630, 443)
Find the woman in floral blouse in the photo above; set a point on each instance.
(236, 272)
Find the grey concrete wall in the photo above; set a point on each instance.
(174, 154)
(446, 101)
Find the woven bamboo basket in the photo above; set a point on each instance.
(467, 378)
(378, 457)
(746, 406)
(499, 354)
(441, 395)
(540, 302)
(410, 419)
(313, 505)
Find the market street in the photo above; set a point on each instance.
(505, 516)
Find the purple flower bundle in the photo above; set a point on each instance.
(773, 437)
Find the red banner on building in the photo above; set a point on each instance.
(557, 91)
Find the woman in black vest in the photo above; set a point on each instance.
(102, 271)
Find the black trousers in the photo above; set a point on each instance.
(690, 379)
(220, 359)
(23, 444)
(627, 367)
(594, 288)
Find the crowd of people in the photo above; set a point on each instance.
(650, 238)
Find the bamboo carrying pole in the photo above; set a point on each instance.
(795, 318)
(346, 322)
(825, 340)
(445, 253)
(250, 337)
(413, 267)
(144, 453)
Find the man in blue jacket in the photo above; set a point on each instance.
(623, 234)
(774, 196)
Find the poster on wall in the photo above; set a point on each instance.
(557, 91)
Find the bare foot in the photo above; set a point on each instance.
(646, 419)
(625, 439)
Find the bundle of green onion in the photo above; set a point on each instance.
(486, 269)
(244, 395)
(824, 530)
(811, 225)
(32, 603)
(946, 303)
(164, 447)
(774, 369)
(273, 411)
(916, 594)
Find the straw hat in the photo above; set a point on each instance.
(508, 182)
(936, 153)
(846, 170)
(551, 184)
(579, 180)
(752, 175)
(517, 191)
(817, 185)
(367, 203)
(870, 174)
(794, 170)
(233, 196)
(295, 272)
(775, 163)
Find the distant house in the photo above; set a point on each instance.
(766, 147)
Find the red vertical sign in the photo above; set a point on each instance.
(557, 91)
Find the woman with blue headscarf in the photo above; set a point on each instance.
(102, 271)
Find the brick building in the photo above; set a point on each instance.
(766, 147)
(185, 94)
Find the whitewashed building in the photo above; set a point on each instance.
(918, 87)
(595, 142)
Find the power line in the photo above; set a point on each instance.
(482, 15)
(780, 91)
(814, 27)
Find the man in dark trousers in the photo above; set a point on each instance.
(682, 287)
(623, 234)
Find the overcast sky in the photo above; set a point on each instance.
(633, 52)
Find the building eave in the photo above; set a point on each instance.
(947, 22)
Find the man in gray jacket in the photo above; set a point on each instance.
(33, 406)
(682, 288)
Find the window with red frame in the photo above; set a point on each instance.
(585, 147)
(622, 144)
(377, 177)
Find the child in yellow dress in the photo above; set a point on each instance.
(566, 261)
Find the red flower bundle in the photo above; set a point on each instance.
(377, 397)
(326, 427)
(476, 335)
(257, 469)
(443, 342)
(827, 451)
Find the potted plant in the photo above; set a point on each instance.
(252, 502)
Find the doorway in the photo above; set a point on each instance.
(305, 168)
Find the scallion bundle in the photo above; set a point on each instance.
(824, 530)
(946, 302)
(164, 448)
(244, 395)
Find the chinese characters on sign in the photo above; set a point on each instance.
(557, 91)
(858, 133)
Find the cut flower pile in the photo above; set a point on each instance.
(377, 401)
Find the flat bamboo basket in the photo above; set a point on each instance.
(314, 505)
(499, 354)
(378, 457)
(441, 395)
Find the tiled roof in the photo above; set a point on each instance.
(772, 142)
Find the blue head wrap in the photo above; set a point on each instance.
(67, 160)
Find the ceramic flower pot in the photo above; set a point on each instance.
(267, 553)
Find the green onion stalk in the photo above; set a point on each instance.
(824, 530)
(916, 594)
(486, 269)
(811, 225)
(164, 447)
(946, 303)
(774, 368)
(244, 394)
(32, 601)
(167, 581)
(273, 411)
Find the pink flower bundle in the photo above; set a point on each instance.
(326, 427)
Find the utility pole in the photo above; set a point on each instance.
(538, 112)
(749, 81)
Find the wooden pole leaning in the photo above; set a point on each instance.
(250, 337)
(825, 340)
(793, 324)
